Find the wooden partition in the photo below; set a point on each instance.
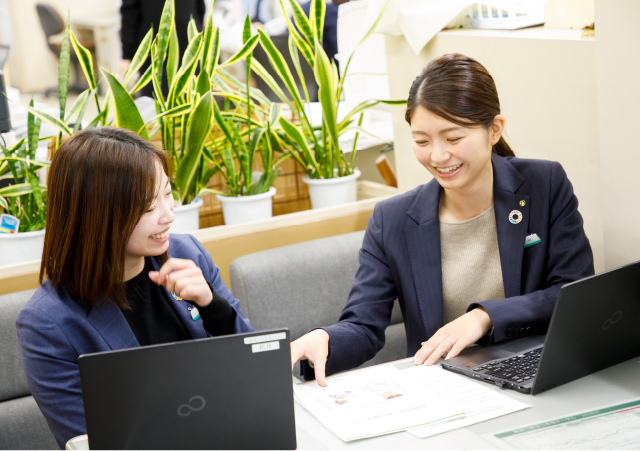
(226, 243)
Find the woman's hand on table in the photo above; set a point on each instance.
(454, 337)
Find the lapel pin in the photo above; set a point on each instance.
(195, 314)
(515, 217)
(522, 203)
(175, 296)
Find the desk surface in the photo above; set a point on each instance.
(615, 384)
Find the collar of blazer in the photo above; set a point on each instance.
(423, 239)
(114, 329)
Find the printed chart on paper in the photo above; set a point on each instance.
(610, 427)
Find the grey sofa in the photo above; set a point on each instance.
(304, 286)
(22, 425)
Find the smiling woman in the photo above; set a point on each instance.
(115, 277)
(453, 251)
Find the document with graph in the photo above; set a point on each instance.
(615, 426)
(398, 396)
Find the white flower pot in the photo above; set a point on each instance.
(21, 247)
(238, 210)
(187, 217)
(332, 192)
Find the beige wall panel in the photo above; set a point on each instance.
(33, 66)
(617, 70)
(547, 86)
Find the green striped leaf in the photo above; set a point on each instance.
(269, 80)
(214, 54)
(143, 81)
(207, 45)
(167, 23)
(141, 55)
(173, 57)
(198, 128)
(316, 17)
(297, 136)
(303, 46)
(203, 84)
(180, 110)
(19, 189)
(63, 67)
(302, 21)
(189, 60)
(86, 61)
(274, 113)
(4, 204)
(244, 52)
(326, 94)
(26, 160)
(282, 69)
(33, 131)
(225, 81)
(367, 104)
(192, 30)
(293, 51)
(126, 114)
(49, 119)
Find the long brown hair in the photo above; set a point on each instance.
(460, 90)
(100, 183)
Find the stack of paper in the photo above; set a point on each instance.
(400, 396)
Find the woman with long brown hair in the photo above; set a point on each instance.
(477, 254)
(115, 277)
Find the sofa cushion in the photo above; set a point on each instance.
(301, 286)
(12, 381)
(22, 426)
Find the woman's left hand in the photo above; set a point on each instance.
(454, 337)
(185, 279)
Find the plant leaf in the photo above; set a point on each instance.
(180, 110)
(198, 128)
(274, 113)
(49, 119)
(302, 21)
(143, 81)
(326, 94)
(86, 61)
(213, 54)
(141, 55)
(17, 190)
(192, 30)
(203, 85)
(173, 57)
(293, 51)
(244, 52)
(126, 114)
(316, 17)
(63, 67)
(167, 23)
(189, 60)
(298, 137)
(4, 204)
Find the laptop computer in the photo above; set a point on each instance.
(595, 325)
(230, 392)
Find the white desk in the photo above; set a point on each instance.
(612, 385)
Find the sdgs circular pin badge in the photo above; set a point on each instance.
(515, 217)
(176, 297)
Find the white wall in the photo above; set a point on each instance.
(618, 95)
(546, 81)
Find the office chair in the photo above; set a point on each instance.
(282, 44)
(52, 25)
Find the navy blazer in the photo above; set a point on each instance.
(400, 258)
(54, 329)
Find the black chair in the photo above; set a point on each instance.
(52, 25)
(282, 44)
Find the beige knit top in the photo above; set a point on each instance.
(471, 270)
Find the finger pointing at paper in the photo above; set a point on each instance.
(314, 347)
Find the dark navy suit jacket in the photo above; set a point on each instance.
(400, 258)
(54, 329)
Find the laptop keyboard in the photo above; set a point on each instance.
(520, 368)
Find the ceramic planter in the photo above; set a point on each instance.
(187, 217)
(332, 192)
(21, 247)
(238, 210)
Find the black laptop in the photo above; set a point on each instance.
(595, 324)
(231, 392)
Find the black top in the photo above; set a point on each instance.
(153, 319)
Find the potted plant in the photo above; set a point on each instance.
(25, 199)
(330, 175)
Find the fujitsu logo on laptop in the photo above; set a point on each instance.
(196, 404)
(611, 321)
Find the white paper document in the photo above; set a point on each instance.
(385, 399)
(615, 426)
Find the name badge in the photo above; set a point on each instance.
(531, 240)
